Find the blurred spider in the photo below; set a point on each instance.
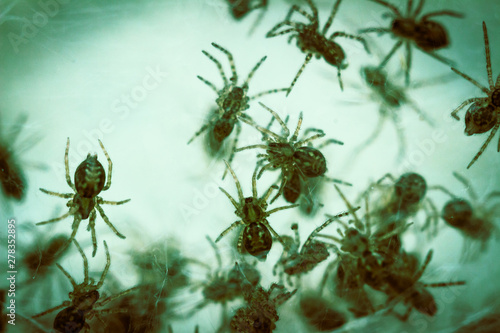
(475, 220)
(311, 254)
(224, 286)
(90, 180)
(402, 284)
(232, 101)
(260, 314)
(83, 300)
(320, 312)
(240, 8)
(484, 113)
(428, 35)
(294, 157)
(312, 41)
(255, 238)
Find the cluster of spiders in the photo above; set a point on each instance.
(367, 268)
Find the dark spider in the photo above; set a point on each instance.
(311, 254)
(474, 219)
(484, 113)
(232, 101)
(83, 300)
(296, 159)
(240, 8)
(312, 41)
(427, 35)
(255, 238)
(223, 286)
(320, 313)
(90, 180)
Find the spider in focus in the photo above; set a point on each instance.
(90, 180)
(294, 262)
(296, 159)
(312, 41)
(83, 300)
(473, 219)
(428, 35)
(484, 113)
(232, 101)
(256, 237)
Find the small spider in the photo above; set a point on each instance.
(232, 101)
(475, 220)
(225, 286)
(90, 180)
(255, 238)
(320, 313)
(402, 284)
(484, 113)
(311, 254)
(83, 300)
(240, 8)
(312, 41)
(296, 159)
(260, 314)
(427, 35)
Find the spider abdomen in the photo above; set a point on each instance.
(69, 320)
(89, 177)
(431, 36)
(410, 189)
(257, 240)
(479, 118)
(310, 161)
(495, 96)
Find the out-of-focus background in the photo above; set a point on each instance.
(125, 72)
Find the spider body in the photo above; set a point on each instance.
(312, 40)
(428, 35)
(240, 8)
(294, 157)
(256, 236)
(90, 180)
(232, 101)
(320, 314)
(83, 300)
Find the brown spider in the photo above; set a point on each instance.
(312, 41)
(475, 220)
(427, 35)
(484, 113)
(296, 159)
(83, 300)
(255, 238)
(260, 314)
(240, 8)
(311, 254)
(320, 313)
(90, 180)
(232, 101)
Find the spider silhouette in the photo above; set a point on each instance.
(484, 113)
(428, 35)
(90, 180)
(312, 41)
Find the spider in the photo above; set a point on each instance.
(311, 254)
(83, 300)
(312, 41)
(484, 113)
(260, 314)
(428, 35)
(232, 101)
(320, 313)
(240, 8)
(225, 286)
(294, 157)
(402, 284)
(90, 180)
(255, 238)
(473, 219)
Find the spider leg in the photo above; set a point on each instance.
(493, 132)
(273, 33)
(488, 57)
(272, 91)
(264, 168)
(388, 5)
(201, 130)
(233, 149)
(234, 78)
(251, 147)
(66, 167)
(91, 227)
(237, 183)
(219, 67)
(110, 167)
(331, 17)
(471, 80)
(418, 9)
(358, 38)
(57, 219)
(259, 18)
(337, 181)
(208, 83)
(285, 130)
(275, 234)
(467, 185)
(281, 208)
(85, 263)
(106, 268)
(375, 29)
(252, 72)
(373, 136)
(424, 266)
(390, 54)
(60, 195)
(73, 283)
(408, 63)
(442, 12)
(297, 129)
(299, 10)
(106, 220)
(308, 58)
(114, 203)
(312, 138)
(465, 103)
(65, 304)
(401, 138)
